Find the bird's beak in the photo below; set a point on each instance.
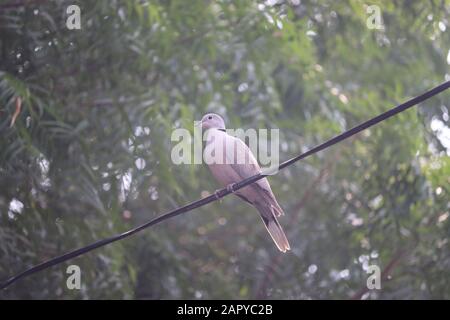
(198, 123)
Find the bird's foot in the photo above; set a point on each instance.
(217, 194)
(230, 188)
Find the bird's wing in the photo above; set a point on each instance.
(245, 165)
(241, 159)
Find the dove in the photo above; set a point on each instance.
(230, 160)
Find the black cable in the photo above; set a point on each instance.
(226, 191)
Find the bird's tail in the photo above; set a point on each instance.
(273, 226)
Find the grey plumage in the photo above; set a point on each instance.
(236, 162)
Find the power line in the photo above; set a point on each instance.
(226, 191)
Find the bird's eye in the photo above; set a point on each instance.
(210, 117)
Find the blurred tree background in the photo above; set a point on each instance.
(86, 118)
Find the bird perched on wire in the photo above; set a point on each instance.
(230, 161)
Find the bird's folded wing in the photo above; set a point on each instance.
(245, 165)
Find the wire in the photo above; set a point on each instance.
(234, 187)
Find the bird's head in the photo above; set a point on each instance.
(212, 120)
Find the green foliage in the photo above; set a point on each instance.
(88, 153)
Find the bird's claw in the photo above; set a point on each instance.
(230, 188)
